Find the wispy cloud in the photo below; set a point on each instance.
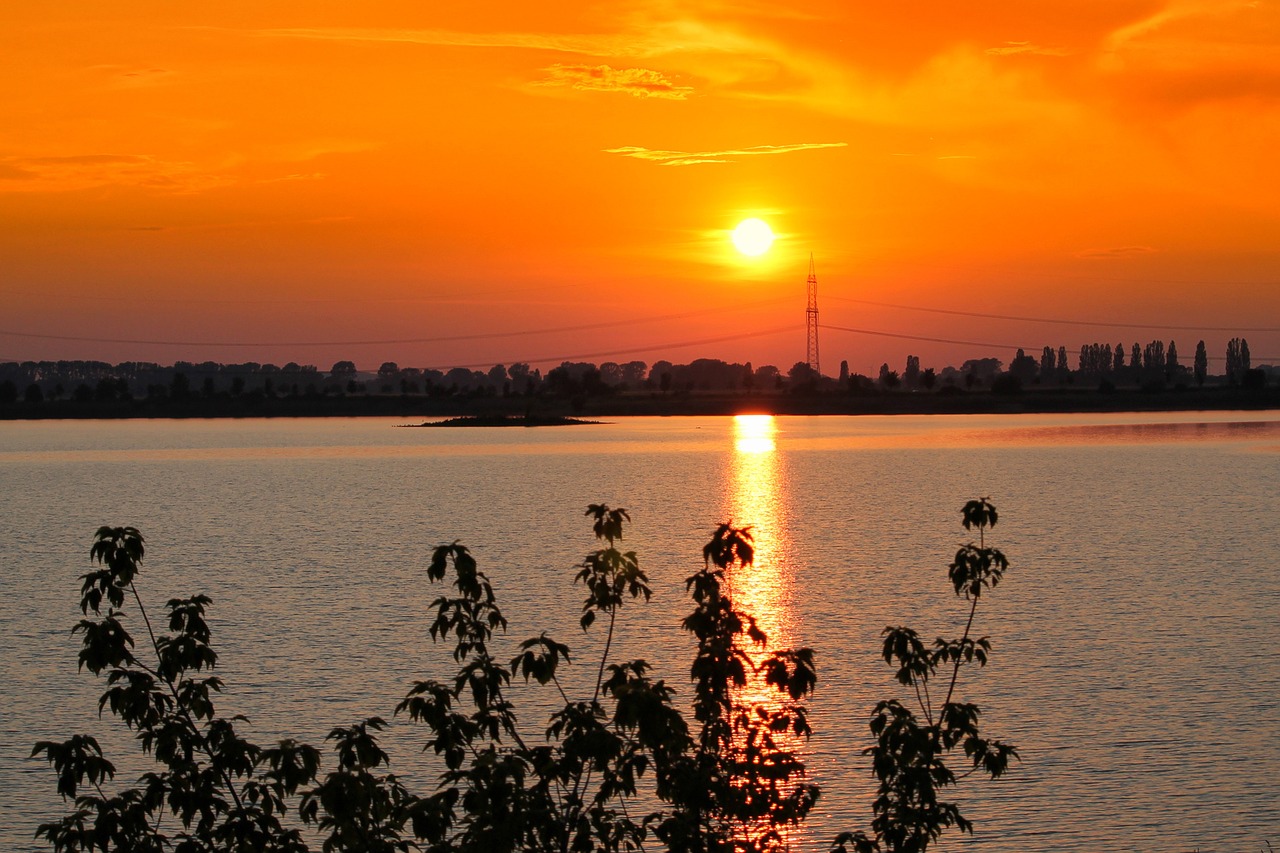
(644, 38)
(308, 176)
(1117, 252)
(729, 60)
(1175, 11)
(585, 44)
(693, 158)
(133, 77)
(79, 171)
(640, 82)
(1014, 48)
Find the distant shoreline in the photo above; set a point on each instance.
(1033, 401)
(502, 421)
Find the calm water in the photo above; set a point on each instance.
(1137, 636)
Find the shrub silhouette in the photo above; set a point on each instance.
(628, 765)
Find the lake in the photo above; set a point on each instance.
(1136, 637)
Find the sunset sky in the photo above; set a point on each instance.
(476, 183)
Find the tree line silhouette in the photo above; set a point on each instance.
(1153, 365)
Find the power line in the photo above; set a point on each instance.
(983, 343)
(1056, 321)
(477, 298)
(480, 336)
(635, 322)
(631, 351)
(619, 352)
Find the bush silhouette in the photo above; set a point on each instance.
(631, 763)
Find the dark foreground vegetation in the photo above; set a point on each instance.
(681, 765)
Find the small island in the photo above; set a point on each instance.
(505, 421)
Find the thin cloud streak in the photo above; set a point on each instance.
(81, 171)
(647, 38)
(1015, 48)
(1117, 252)
(637, 82)
(587, 45)
(694, 158)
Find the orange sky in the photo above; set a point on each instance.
(538, 182)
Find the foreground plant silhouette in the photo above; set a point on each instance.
(611, 772)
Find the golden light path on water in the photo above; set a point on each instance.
(755, 501)
(763, 590)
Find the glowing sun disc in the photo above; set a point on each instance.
(753, 237)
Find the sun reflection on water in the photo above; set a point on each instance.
(755, 499)
(753, 434)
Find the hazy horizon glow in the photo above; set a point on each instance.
(496, 182)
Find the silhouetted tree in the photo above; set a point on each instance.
(1237, 360)
(911, 375)
(660, 367)
(1023, 367)
(768, 376)
(1153, 357)
(928, 379)
(611, 373)
(1201, 363)
(844, 374)
(388, 373)
(802, 377)
(459, 379)
(985, 369)
(634, 373)
(33, 394)
(1046, 364)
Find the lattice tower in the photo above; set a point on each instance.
(811, 314)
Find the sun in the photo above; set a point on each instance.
(753, 237)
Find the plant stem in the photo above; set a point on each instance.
(608, 643)
(955, 672)
(579, 783)
(563, 695)
(145, 618)
(204, 744)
